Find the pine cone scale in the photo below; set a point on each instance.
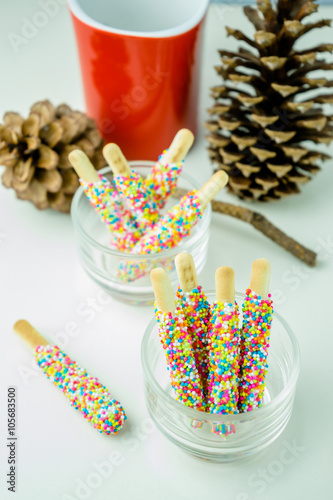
(30, 126)
(13, 121)
(52, 133)
(51, 179)
(70, 182)
(35, 151)
(22, 169)
(32, 143)
(8, 158)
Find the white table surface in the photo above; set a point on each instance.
(42, 280)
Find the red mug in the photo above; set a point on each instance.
(140, 63)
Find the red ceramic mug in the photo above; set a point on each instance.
(140, 62)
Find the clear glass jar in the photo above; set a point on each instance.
(104, 264)
(223, 438)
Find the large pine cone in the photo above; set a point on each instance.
(264, 120)
(35, 153)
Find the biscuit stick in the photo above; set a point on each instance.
(131, 188)
(197, 311)
(224, 338)
(177, 343)
(257, 319)
(162, 179)
(175, 225)
(104, 198)
(85, 393)
(145, 198)
(178, 222)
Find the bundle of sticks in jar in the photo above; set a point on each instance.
(216, 365)
(131, 207)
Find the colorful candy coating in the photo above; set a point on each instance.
(137, 269)
(223, 429)
(105, 200)
(257, 319)
(138, 199)
(175, 225)
(177, 343)
(224, 340)
(85, 393)
(197, 311)
(162, 180)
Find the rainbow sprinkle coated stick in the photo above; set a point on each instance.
(122, 225)
(145, 198)
(178, 222)
(257, 319)
(224, 340)
(131, 188)
(195, 306)
(105, 200)
(224, 359)
(175, 225)
(131, 205)
(85, 393)
(177, 344)
(137, 199)
(103, 197)
(162, 180)
(163, 177)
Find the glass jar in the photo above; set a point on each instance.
(223, 438)
(106, 265)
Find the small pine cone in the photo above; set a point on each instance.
(263, 121)
(35, 151)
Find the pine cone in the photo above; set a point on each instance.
(35, 153)
(258, 131)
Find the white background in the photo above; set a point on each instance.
(42, 281)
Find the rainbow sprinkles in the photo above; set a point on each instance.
(206, 344)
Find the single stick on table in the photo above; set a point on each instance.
(105, 200)
(197, 311)
(257, 320)
(224, 341)
(177, 343)
(85, 393)
(162, 180)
